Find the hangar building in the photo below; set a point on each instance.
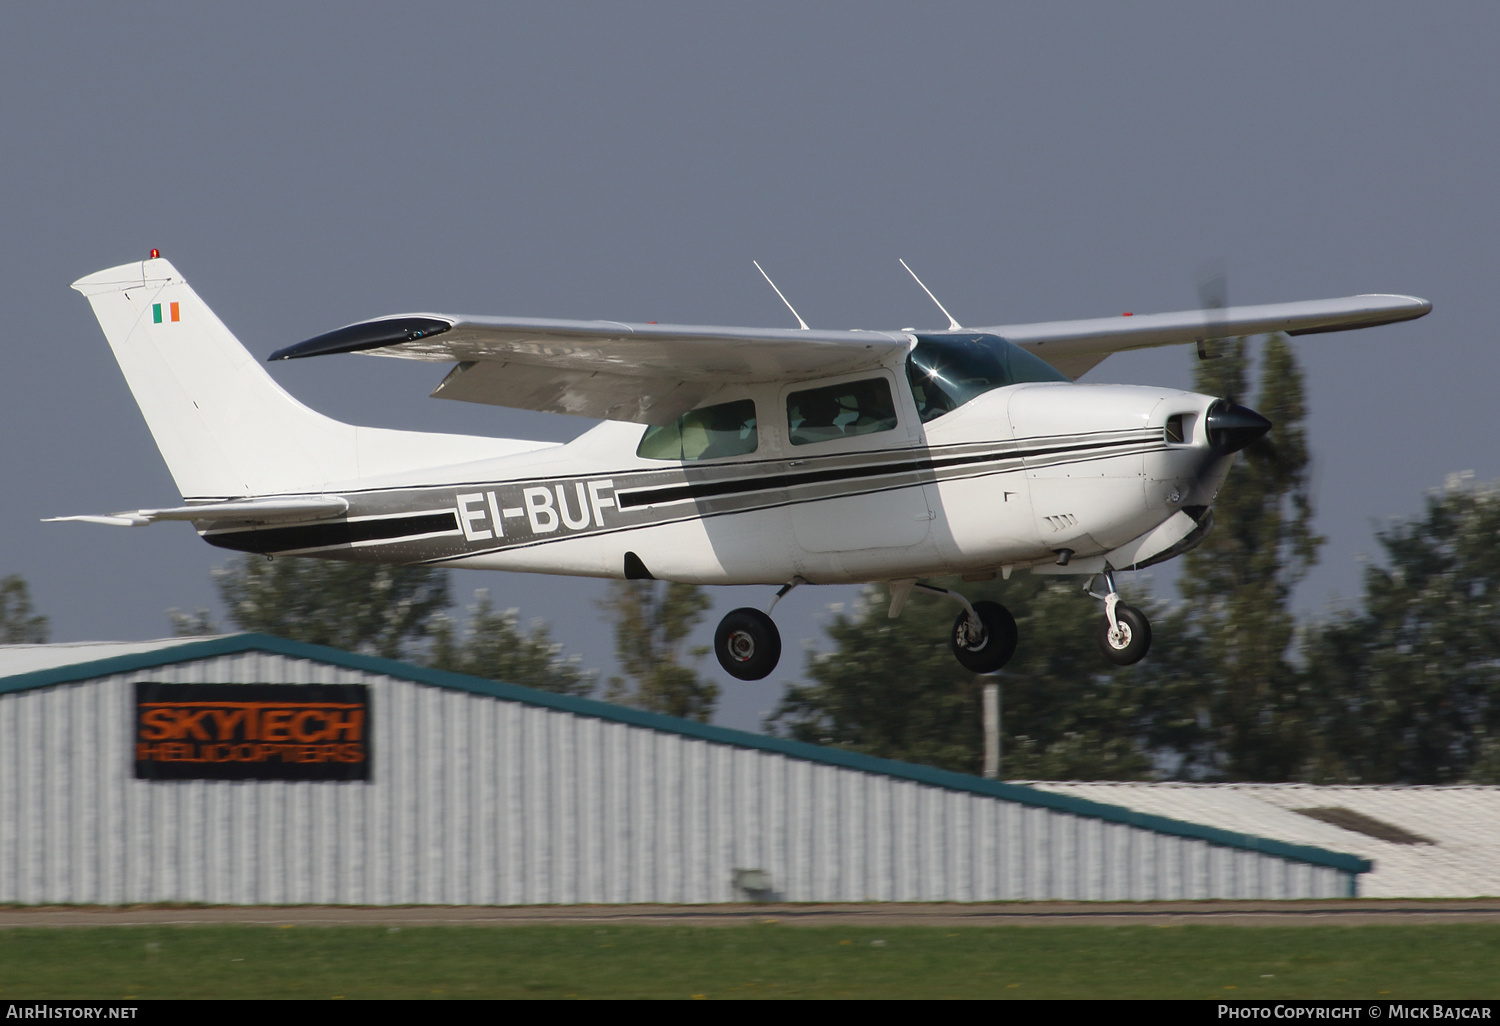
(1434, 841)
(248, 770)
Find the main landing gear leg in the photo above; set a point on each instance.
(782, 592)
(984, 635)
(747, 643)
(1124, 633)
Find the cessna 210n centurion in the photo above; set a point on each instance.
(726, 455)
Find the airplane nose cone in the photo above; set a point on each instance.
(1231, 427)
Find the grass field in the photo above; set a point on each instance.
(756, 961)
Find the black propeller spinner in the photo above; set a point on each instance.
(1231, 426)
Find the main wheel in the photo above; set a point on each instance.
(748, 644)
(996, 645)
(1130, 642)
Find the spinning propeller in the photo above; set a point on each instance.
(1231, 427)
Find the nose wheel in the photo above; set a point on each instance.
(1127, 640)
(747, 644)
(1124, 633)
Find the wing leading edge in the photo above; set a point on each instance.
(653, 373)
(1074, 347)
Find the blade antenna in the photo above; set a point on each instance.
(800, 322)
(952, 324)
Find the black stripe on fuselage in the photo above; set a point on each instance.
(397, 529)
(708, 490)
(320, 536)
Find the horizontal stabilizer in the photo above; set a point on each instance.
(250, 511)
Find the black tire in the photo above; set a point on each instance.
(748, 644)
(1133, 641)
(992, 651)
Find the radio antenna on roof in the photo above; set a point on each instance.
(952, 324)
(800, 322)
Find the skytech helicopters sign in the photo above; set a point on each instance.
(252, 731)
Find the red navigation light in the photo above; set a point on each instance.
(1127, 313)
(156, 254)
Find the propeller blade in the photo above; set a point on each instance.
(1213, 297)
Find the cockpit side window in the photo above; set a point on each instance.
(946, 371)
(709, 433)
(840, 411)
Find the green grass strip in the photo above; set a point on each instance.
(753, 961)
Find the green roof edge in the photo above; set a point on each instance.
(189, 650)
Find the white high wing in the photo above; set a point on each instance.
(726, 455)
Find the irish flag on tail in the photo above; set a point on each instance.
(157, 311)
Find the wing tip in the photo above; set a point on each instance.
(1413, 306)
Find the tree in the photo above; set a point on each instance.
(20, 624)
(1409, 689)
(1231, 703)
(360, 607)
(892, 688)
(494, 646)
(653, 621)
(192, 625)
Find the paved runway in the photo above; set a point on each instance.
(1351, 912)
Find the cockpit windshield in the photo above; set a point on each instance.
(947, 371)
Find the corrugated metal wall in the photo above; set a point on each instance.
(477, 800)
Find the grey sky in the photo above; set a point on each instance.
(310, 165)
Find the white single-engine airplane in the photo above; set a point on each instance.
(726, 456)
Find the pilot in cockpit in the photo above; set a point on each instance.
(819, 412)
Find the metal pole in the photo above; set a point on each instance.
(992, 731)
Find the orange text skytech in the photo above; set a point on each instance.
(252, 731)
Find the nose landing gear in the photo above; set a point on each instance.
(1124, 633)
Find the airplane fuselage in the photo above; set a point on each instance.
(1010, 479)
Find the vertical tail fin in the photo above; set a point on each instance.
(223, 425)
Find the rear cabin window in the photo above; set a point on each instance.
(710, 433)
(840, 411)
(946, 371)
